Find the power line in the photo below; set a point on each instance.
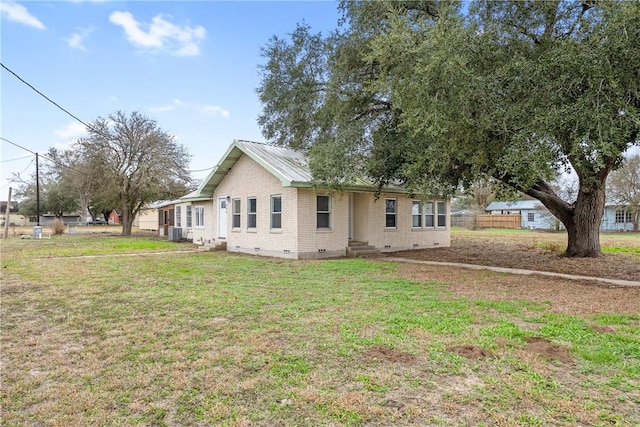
(43, 95)
(17, 158)
(17, 145)
(45, 157)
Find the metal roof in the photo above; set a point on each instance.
(515, 205)
(291, 167)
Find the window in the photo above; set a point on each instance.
(622, 216)
(235, 213)
(188, 216)
(416, 214)
(442, 214)
(200, 216)
(252, 218)
(276, 212)
(178, 216)
(531, 216)
(390, 213)
(323, 211)
(428, 214)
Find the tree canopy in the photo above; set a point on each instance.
(135, 161)
(436, 96)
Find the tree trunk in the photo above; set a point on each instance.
(127, 221)
(581, 219)
(584, 230)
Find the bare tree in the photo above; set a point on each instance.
(624, 188)
(136, 162)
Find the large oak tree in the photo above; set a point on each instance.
(436, 95)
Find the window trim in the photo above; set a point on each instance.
(189, 216)
(419, 204)
(273, 213)
(199, 218)
(236, 215)
(390, 214)
(431, 215)
(441, 215)
(252, 214)
(327, 212)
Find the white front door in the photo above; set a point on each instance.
(222, 218)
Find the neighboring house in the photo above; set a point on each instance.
(616, 218)
(260, 199)
(532, 213)
(148, 217)
(114, 217)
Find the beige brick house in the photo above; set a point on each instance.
(260, 200)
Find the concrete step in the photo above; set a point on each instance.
(362, 250)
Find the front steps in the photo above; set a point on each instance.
(362, 250)
(215, 245)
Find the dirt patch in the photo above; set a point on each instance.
(531, 252)
(470, 351)
(562, 295)
(546, 349)
(389, 354)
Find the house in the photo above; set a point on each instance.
(114, 217)
(532, 213)
(617, 218)
(260, 199)
(147, 218)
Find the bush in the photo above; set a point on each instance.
(59, 227)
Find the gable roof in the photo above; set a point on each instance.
(515, 205)
(289, 166)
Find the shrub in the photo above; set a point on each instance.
(59, 227)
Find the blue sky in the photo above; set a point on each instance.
(190, 65)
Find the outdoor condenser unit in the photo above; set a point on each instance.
(175, 234)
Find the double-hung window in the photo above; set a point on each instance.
(235, 213)
(429, 214)
(323, 211)
(416, 214)
(252, 210)
(178, 216)
(390, 213)
(442, 214)
(188, 216)
(200, 216)
(276, 212)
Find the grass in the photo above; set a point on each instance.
(220, 339)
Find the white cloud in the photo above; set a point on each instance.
(161, 109)
(18, 13)
(113, 98)
(215, 111)
(72, 130)
(76, 40)
(161, 35)
(210, 110)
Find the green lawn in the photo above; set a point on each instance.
(220, 339)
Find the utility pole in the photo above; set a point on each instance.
(6, 217)
(37, 193)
